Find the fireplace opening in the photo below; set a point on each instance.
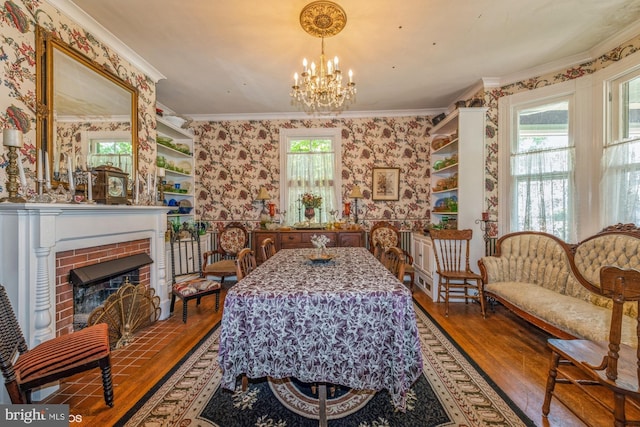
(93, 284)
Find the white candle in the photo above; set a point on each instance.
(47, 178)
(39, 164)
(23, 178)
(70, 173)
(12, 138)
(89, 185)
(161, 172)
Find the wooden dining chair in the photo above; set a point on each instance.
(387, 235)
(455, 278)
(393, 259)
(609, 364)
(245, 263)
(231, 240)
(51, 360)
(268, 248)
(188, 280)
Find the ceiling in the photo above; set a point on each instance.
(238, 57)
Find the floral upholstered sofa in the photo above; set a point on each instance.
(555, 286)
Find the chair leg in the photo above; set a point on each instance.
(217, 300)
(173, 303)
(551, 382)
(481, 297)
(620, 419)
(184, 310)
(446, 299)
(107, 384)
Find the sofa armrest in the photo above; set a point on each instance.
(492, 269)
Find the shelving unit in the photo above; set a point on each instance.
(457, 175)
(179, 166)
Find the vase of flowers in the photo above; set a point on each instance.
(310, 202)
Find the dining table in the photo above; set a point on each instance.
(343, 321)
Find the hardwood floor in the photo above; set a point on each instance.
(510, 351)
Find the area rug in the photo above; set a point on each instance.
(451, 392)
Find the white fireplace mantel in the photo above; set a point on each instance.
(33, 233)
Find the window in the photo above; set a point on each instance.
(621, 161)
(542, 167)
(310, 161)
(109, 148)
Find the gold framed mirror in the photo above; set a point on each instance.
(86, 115)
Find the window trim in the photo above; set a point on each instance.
(334, 134)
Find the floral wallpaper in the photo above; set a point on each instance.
(18, 21)
(234, 159)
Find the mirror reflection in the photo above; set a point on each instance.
(91, 116)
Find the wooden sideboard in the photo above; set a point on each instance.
(302, 239)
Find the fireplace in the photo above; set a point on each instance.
(94, 283)
(35, 234)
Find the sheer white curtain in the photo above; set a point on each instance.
(620, 186)
(312, 173)
(543, 191)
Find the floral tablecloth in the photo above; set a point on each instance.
(348, 322)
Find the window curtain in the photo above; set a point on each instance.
(313, 173)
(620, 185)
(543, 189)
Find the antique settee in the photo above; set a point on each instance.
(555, 285)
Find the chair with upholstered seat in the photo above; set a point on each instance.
(231, 239)
(268, 247)
(592, 365)
(52, 360)
(451, 250)
(188, 280)
(387, 236)
(245, 263)
(393, 259)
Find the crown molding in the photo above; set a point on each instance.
(299, 115)
(91, 25)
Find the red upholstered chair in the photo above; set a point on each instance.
(189, 281)
(231, 240)
(51, 360)
(386, 235)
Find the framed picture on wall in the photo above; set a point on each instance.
(386, 184)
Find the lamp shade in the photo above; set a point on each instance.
(262, 194)
(12, 137)
(356, 193)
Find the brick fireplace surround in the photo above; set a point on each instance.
(76, 258)
(37, 239)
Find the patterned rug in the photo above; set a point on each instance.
(451, 392)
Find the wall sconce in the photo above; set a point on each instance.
(356, 194)
(12, 138)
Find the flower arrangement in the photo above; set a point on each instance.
(319, 241)
(310, 200)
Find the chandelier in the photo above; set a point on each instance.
(321, 87)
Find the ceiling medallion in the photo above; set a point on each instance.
(323, 19)
(320, 88)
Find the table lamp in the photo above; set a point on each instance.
(356, 194)
(264, 214)
(12, 138)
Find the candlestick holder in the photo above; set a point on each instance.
(42, 195)
(12, 178)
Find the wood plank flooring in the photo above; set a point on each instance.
(510, 351)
